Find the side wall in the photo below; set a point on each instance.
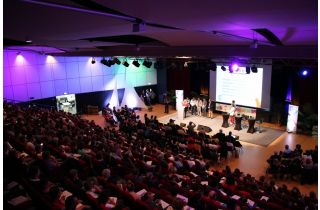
(31, 76)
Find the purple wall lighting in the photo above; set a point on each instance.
(31, 76)
(50, 59)
(19, 59)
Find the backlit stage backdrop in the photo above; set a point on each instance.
(31, 76)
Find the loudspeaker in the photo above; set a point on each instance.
(183, 125)
(205, 128)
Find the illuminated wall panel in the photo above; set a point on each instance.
(29, 74)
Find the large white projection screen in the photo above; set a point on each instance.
(252, 90)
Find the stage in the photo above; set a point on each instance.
(263, 138)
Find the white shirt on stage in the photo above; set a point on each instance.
(232, 111)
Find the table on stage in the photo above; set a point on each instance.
(225, 122)
(251, 122)
(238, 123)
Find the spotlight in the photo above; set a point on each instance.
(213, 66)
(103, 61)
(93, 61)
(125, 63)
(223, 68)
(254, 69)
(147, 63)
(248, 69)
(116, 60)
(235, 67)
(136, 63)
(230, 69)
(304, 72)
(111, 62)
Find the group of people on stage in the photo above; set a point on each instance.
(148, 96)
(199, 107)
(202, 107)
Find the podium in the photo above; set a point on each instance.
(238, 123)
(225, 123)
(251, 125)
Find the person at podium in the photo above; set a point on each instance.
(232, 112)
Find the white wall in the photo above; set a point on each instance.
(30, 75)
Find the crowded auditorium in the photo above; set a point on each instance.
(160, 105)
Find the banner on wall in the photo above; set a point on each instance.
(179, 104)
(251, 112)
(292, 118)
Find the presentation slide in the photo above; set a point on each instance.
(245, 89)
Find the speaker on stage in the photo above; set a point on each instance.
(205, 128)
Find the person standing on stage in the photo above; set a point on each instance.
(204, 107)
(199, 106)
(193, 106)
(210, 108)
(185, 104)
(166, 101)
(232, 112)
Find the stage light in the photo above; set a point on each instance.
(213, 66)
(254, 69)
(136, 63)
(304, 72)
(109, 63)
(230, 69)
(223, 68)
(125, 63)
(147, 63)
(103, 61)
(235, 67)
(93, 61)
(116, 60)
(248, 69)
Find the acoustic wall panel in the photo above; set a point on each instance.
(20, 93)
(85, 84)
(72, 70)
(34, 91)
(18, 75)
(47, 89)
(8, 92)
(45, 72)
(97, 83)
(7, 77)
(28, 74)
(59, 71)
(32, 74)
(73, 86)
(60, 87)
(84, 69)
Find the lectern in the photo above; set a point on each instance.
(225, 122)
(238, 123)
(251, 125)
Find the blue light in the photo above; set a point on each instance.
(304, 72)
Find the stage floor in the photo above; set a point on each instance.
(263, 138)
